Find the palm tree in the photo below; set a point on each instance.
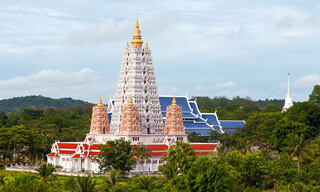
(112, 180)
(45, 170)
(86, 184)
(142, 153)
(146, 183)
(298, 147)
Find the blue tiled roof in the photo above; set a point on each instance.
(229, 130)
(212, 118)
(191, 124)
(194, 108)
(232, 123)
(181, 101)
(201, 131)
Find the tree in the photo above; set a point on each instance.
(45, 170)
(3, 119)
(142, 153)
(315, 95)
(272, 107)
(210, 174)
(116, 154)
(112, 180)
(298, 147)
(86, 184)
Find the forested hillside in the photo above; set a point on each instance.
(18, 104)
(237, 108)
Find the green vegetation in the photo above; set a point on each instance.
(116, 154)
(29, 135)
(18, 104)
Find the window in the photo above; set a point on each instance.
(123, 138)
(135, 139)
(51, 158)
(160, 161)
(154, 161)
(67, 159)
(141, 162)
(148, 162)
(63, 159)
(93, 161)
(179, 138)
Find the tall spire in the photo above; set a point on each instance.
(288, 102)
(137, 42)
(100, 102)
(288, 90)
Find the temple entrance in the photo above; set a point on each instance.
(148, 130)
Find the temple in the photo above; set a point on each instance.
(138, 114)
(288, 102)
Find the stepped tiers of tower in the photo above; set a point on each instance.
(137, 78)
(100, 121)
(130, 122)
(174, 121)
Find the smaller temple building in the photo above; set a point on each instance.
(76, 156)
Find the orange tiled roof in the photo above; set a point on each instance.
(157, 147)
(68, 145)
(203, 146)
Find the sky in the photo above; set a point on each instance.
(73, 48)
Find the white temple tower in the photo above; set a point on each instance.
(288, 101)
(137, 78)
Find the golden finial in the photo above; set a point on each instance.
(137, 42)
(174, 103)
(100, 102)
(127, 45)
(146, 48)
(137, 23)
(130, 101)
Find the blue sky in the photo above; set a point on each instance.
(67, 48)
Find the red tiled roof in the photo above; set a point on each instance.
(203, 146)
(93, 153)
(66, 152)
(157, 147)
(76, 156)
(86, 146)
(94, 146)
(204, 153)
(52, 154)
(157, 153)
(89, 139)
(68, 145)
(134, 158)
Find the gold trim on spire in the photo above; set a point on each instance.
(146, 48)
(137, 42)
(100, 102)
(130, 101)
(174, 103)
(127, 45)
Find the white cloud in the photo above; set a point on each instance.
(84, 84)
(225, 85)
(307, 81)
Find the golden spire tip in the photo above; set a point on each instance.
(146, 45)
(127, 45)
(100, 102)
(130, 101)
(137, 23)
(174, 103)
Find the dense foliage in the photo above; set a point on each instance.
(18, 104)
(29, 135)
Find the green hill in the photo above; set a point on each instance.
(17, 104)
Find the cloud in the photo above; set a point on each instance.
(226, 85)
(83, 84)
(307, 81)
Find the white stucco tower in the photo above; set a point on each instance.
(288, 101)
(138, 79)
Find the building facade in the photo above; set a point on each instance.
(136, 116)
